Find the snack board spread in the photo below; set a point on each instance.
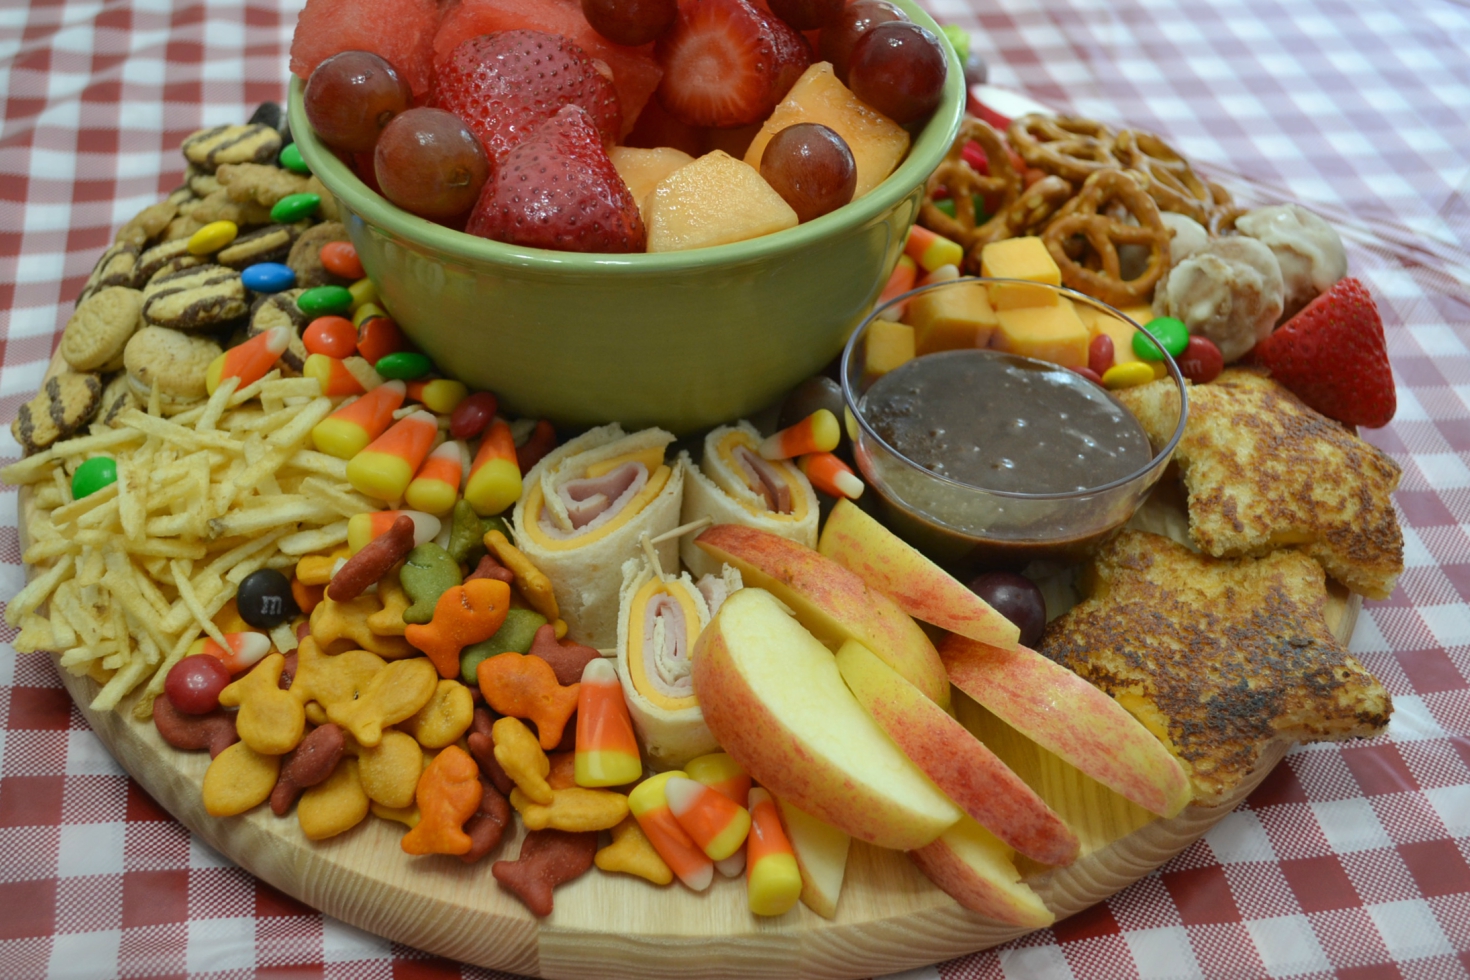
(231, 531)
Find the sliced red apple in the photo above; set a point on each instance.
(975, 869)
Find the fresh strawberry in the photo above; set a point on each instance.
(558, 189)
(727, 63)
(504, 85)
(1332, 356)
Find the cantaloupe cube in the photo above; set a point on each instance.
(1121, 331)
(886, 345)
(1050, 333)
(1020, 258)
(642, 169)
(715, 200)
(877, 142)
(951, 318)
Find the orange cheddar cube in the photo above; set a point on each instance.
(1050, 333)
(951, 318)
(887, 345)
(1020, 258)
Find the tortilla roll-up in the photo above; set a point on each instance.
(658, 622)
(733, 484)
(584, 511)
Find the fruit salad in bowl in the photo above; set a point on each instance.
(767, 207)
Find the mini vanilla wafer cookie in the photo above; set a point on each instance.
(117, 397)
(280, 310)
(62, 406)
(175, 361)
(306, 254)
(170, 256)
(99, 329)
(148, 223)
(117, 267)
(269, 244)
(210, 148)
(209, 297)
(262, 183)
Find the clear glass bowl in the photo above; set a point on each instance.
(967, 527)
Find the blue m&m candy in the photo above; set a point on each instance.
(268, 277)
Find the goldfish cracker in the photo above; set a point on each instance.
(567, 659)
(372, 561)
(517, 633)
(317, 569)
(722, 774)
(388, 621)
(238, 779)
(607, 749)
(530, 582)
(448, 794)
(548, 858)
(363, 528)
(563, 774)
(831, 475)
(328, 680)
(439, 395)
(632, 853)
(394, 693)
(772, 878)
(427, 573)
(245, 649)
(406, 815)
(270, 720)
(390, 770)
(335, 806)
(229, 620)
(334, 621)
(333, 375)
(495, 475)
(524, 761)
(463, 615)
(313, 760)
(575, 809)
(714, 822)
(250, 361)
(930, 250)
(487, 826)
(307, 597)
(526, 687)
(817, 433)
(466, 529)
(435, 487)
(350, 429)
(385, 468)
(445, 718)
(214, 731)
(650, 808)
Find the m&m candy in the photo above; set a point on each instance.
(268, 277)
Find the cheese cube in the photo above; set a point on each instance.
(1049, 333)
(951, 318)
(887, 345)
(1020, 258)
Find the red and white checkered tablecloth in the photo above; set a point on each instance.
(1350, 861)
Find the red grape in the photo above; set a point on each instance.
(351, 96)
(811, 167)
(856, 18)
(194, 683)
(470, 416)
(899, 70)
(807, 15)
(630, 22)
(1016, 598)
(428, 162)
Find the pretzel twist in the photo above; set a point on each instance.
(1172, 181)
(1063, 146)
(963, 182)
(1026, 215)
(1084, 220)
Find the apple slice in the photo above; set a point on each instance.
(975, 869)
(921, 588)
(774, 700)
(835, 604)
(1069, 717)
(971, 775)
(821, 856)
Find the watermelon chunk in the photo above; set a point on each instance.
(635, 73)
(400, 31)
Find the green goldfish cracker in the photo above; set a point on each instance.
(427, 573)
(516, 634)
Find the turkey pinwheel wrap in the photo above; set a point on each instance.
(584, 511)
(734, 484)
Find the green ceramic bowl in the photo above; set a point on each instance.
(684, 340)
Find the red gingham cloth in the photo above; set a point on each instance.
(1351, 861)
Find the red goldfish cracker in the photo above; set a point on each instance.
(722, 774)
(238, 779)
(310, 763)
(649, 806)
(607, 749)
(334, 806)
(394, 694)
(388, 621)
(445, 718)
(548, 858)
(487, 826)
(530, 582)
(270, 720)
(190, 733)
(390, 770)
(567, 659)
(337, 621)
(329, 680)
(481, 743)
(541, 441)
(525, 687)
(464, 614)
(449, 793)
(714, 822)
(573, 808)
(772, 878)
(632, 853)
(520, 755)
(372, 561)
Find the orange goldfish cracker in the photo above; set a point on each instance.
(495, 476)
(563, 770)
(525, 687)
(388, 621)
(445, 718)
(349, 430)
(317, 569)
(449, 793)
(270, 720)
(533, 586)
(547, 859)
(333, 621)
(607, 749)
(307, 597)
(650, 808)
(520, 755)
(817, 433)
(385, 468)
(831, 475)
(390, 770)
(238, 779)
(464, 614)
(435, 487)
(712, 821)
(334, 806)
(722, 774)
(772, 878)
(574, 808)
(394, 693)
(631, 853)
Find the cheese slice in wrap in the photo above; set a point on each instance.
(658, 623)
(584, 511)
(734, 484)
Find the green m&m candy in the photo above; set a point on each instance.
(93, 475)
(1172, 333)
(294, 207)
(292, 161)
(324, 301)
(403, 365)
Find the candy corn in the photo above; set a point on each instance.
(818, 432)
(332, 375)
(607, 750)
(386, 467)
(831, 475)
(495, 477)
(899, 282)
(722, 774)
(439, 395)
(362, 528)
(650, 808)
(733, 866)
(378, 336)
(348, 430)
(772, 878)
(714, 822)
(931, 251)
(435, 487)
(248, 361)
(243, 652)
